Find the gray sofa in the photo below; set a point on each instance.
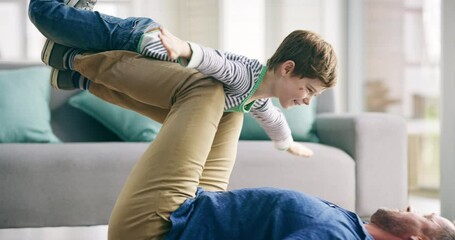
(360, 164)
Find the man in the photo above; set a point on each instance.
(269, 213)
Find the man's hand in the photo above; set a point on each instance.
(174, 46)
(300, 150)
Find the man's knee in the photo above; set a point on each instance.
(215, 93)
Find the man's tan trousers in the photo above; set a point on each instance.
(196, 146)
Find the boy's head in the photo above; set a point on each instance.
(313, 57)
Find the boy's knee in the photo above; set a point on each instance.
(40, 10)
(34, 9)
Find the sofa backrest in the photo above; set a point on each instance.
(326, 102)
(69, 124)
(72, 125)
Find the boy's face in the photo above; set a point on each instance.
(297, 91)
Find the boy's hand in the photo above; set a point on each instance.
(300, 150)
(174, 46)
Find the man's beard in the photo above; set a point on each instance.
(389, 221)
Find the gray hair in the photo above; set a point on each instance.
(446, 232)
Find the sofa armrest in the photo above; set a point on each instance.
(378, 144)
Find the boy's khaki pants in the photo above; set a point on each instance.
(196, 146)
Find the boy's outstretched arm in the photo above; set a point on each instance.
(274, 123)
(300, 150)
(177, 48)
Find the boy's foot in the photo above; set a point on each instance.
(82, 4)
(68, 80)
(58, 56)
(61, 79)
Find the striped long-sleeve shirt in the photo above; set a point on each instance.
(241, 76)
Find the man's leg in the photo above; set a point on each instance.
(169, 171)
(87, 30)
(125, 101)
(152, 82)
(221, 159)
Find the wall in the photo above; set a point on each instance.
(448, 111)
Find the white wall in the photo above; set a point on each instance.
(334, 28)
(448, 110)
(242, 28)
(192, 20)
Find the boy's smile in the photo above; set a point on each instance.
(299, 91)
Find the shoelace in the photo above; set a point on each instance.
(88, 6)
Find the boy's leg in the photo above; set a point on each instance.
(169, 171)
(221, 159)
(87, 30)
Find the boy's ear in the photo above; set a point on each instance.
(287, 67)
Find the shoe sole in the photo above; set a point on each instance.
(54, 77)
(46, 52)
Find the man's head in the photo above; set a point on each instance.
(406, 224)
(313, 57)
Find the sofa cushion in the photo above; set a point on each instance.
(300, 120)
(329, 174)
(128, 125)
(24, 105)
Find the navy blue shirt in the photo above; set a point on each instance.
(263, 213)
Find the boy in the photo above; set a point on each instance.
(308, 56)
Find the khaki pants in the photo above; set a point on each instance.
(196, 146)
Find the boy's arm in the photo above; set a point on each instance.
(230, 69)
(175, 47)
(274, 123)
(300, 150)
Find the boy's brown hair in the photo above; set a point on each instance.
(313, 57)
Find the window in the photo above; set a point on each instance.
(21, 41)
(402, 77)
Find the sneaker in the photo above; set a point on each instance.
(68, 80)
(62, 79)
(82, 4)
(56, 55)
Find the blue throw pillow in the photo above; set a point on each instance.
(128, 125)
(300, 120)
(24, 105)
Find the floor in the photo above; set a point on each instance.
(422, 202)
(55, 233)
